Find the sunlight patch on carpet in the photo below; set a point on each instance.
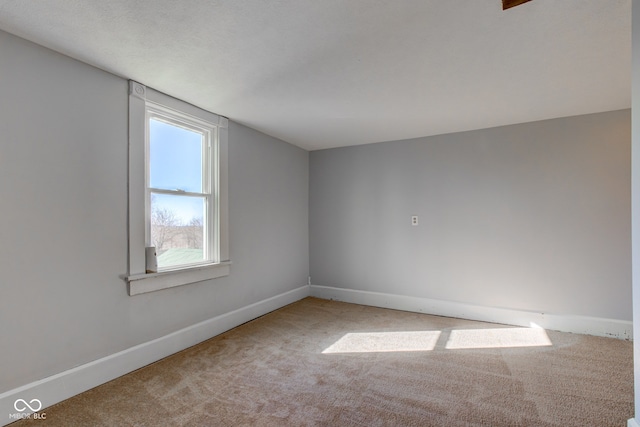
(497, 338)
(372, 342)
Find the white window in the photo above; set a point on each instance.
(177, 192)
(181, 208)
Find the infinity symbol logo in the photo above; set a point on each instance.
(26, 405)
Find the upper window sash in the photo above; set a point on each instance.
(209, 146)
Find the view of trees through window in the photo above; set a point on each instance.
(177, 241)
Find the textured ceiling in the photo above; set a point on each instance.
(327, 73)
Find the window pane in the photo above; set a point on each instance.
(175, 157)
(177, 229)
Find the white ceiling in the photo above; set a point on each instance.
(328, 73)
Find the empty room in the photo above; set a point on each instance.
(322, 213)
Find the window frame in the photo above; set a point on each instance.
(209, 176)
(141, 100)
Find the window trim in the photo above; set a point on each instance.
(139, 281)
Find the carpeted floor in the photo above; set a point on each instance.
(326, 363)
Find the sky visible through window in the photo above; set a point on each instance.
(176, 164)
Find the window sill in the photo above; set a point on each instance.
(143, 283)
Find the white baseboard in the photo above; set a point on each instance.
(557, 322)
(69, 383)
(632, 423)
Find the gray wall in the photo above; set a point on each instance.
(533, 216)
(635, 178)
(63, 222)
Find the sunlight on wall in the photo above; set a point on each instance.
(373, 342)
(497, 338)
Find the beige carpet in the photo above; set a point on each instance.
(326, 363)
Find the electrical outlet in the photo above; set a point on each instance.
(414, 220)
